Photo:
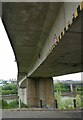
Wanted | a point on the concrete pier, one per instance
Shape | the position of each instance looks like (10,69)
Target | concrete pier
(38,92)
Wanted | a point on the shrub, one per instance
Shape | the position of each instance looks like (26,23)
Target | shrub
(9,89)
(4,104)
(13,104)
(68,103)
(58,98)
(78,101)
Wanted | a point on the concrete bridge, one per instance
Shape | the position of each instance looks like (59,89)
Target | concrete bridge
(73,87)
(46,40)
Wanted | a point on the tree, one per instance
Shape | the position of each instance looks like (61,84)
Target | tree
(9,89)
(60,87)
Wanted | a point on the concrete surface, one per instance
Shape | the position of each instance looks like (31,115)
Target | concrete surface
(31,28)
(41,114)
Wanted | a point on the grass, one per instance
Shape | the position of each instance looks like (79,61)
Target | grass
(62,103)
(11,105)
(68,103)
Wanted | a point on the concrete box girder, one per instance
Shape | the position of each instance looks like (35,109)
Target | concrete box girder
(31,27)
(28,25)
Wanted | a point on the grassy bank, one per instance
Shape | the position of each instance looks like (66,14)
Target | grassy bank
(14,104)
(68,103)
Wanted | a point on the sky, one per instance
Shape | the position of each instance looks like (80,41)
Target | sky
(75,77)
(8,66)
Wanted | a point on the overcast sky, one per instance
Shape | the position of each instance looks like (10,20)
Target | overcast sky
(76,76)
(8,66)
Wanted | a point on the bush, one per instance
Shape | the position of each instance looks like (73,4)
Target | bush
(6,92)
(10,105)
(13,104)
(4,104)
(60,87)
(68,103)
(79,101)
(58,98)
(9,89)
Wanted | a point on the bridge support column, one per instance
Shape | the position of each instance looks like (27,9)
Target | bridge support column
(22,91)
(22,95)
(32,92)
(40,89)
(73,89)
(46,92)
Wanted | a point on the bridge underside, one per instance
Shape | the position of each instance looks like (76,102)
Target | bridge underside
(29,25)
(31,28)
(65,58)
